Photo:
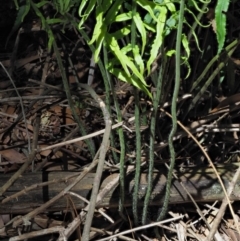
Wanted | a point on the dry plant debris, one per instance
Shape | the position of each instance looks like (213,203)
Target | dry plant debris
(40,137)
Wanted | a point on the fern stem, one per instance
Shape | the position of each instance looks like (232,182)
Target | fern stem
(174,112)
(137,129)
(156,99)
(138,159)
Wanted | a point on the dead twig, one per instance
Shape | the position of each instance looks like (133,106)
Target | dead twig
(111,185)
(102,154)
(40,209)
(192,199)
(79,138)
(223,207)
(142,227)
(213,167)
(37,233)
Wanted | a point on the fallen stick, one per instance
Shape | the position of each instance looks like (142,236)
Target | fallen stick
(200,182)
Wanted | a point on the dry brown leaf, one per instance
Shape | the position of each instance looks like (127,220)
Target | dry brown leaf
(13,156)
(44,153)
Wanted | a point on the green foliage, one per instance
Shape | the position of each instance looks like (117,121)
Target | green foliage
(130,63)
(154,20)
(63,6)
(220,17)
(128,60)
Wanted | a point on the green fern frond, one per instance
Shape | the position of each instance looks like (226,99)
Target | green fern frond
(221,8)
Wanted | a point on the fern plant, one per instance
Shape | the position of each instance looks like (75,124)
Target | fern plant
(153,21)
(157,19)
(128,63)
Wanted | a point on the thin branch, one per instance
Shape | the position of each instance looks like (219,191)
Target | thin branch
(213,167)
(223,207)
(103,151)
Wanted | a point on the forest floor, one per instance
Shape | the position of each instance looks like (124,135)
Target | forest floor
(46,152)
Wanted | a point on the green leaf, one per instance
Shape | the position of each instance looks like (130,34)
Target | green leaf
(196,19)
(58,5)
(122,32)
(148,6)
(99,43)
(140,26)
(39,14)
(55,21)
(41,4)
(123,17)
(158,38)
(150,27)
(67,6)
(50,38)
(16,4)
(195,36)
(185,60)
(84,16)
(159,1)
(171,52)
(113,11)
(193,3)
(98,27)
(148,19)
(107,4)
(170,6)
(126,49)
(220,16)
(138,59)
(131,80)
(118,53)
(124,60)
(26,10)
(186,45)
(63,6)
(171,24)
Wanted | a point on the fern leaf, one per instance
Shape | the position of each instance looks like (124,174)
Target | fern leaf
(222,6)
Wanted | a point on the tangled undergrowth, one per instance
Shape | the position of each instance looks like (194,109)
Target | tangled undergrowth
(57,105)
